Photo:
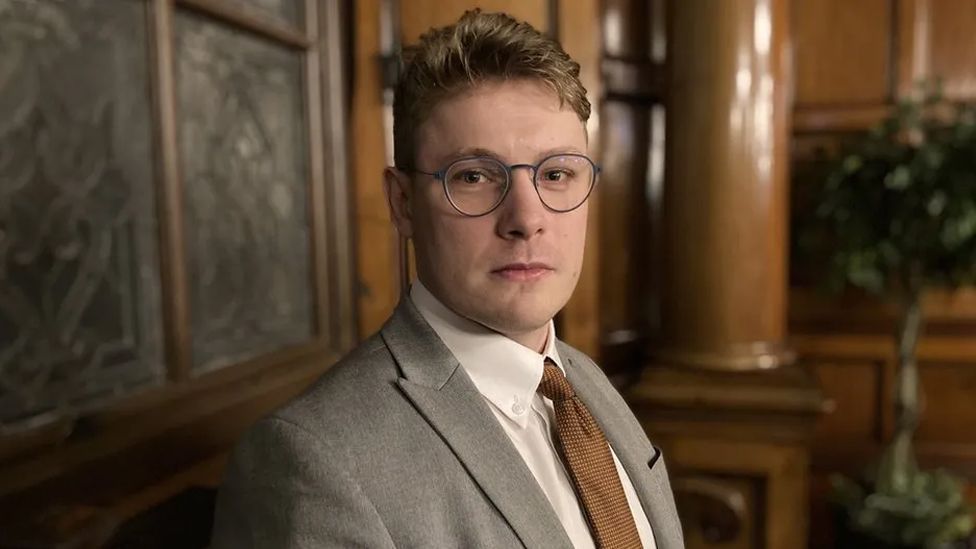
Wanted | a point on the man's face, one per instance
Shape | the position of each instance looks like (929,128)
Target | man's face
(513,269)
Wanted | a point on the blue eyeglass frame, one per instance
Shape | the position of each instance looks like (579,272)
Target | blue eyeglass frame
(441,175)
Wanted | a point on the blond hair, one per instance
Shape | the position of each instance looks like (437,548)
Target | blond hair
(479,48)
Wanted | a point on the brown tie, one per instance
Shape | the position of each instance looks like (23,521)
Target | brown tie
(587,456)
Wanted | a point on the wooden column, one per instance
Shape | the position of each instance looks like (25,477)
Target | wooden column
(722,394)
(725,212)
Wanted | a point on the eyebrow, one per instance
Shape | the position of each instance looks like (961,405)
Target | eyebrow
(479,151)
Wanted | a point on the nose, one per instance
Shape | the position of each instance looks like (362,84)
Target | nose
(522,215)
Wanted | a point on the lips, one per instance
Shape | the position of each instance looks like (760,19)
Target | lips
(523,272)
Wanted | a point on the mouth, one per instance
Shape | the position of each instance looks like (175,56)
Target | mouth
(523,272)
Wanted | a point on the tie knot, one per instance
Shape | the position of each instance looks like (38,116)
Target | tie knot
(554,384)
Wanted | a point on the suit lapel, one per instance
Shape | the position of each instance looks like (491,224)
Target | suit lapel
(444,395)
(641,460)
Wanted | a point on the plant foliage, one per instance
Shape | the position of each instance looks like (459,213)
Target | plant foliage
(895,214)
(899,209)
(931,514)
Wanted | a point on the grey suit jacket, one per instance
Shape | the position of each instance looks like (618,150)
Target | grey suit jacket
(395,447)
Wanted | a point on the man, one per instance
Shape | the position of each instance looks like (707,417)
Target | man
(464,422)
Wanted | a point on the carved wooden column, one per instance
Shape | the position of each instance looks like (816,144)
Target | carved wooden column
(722,394)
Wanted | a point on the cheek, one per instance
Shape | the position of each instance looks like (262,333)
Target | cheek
(456,243)
(574,234)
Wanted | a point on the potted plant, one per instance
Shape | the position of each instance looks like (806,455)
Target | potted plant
(897,214)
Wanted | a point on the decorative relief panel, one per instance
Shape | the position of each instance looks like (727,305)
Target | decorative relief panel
(244,167)
(79,289)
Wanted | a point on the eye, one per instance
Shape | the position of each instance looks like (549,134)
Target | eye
(476,176)
(471,177)
(557,175)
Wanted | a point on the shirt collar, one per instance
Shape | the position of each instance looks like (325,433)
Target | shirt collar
(504,371)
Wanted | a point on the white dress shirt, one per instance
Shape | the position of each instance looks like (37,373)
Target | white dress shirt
(507,374)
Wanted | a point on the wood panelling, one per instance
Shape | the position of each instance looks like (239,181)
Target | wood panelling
(418,16)
(897,43)
(948,402)
(861,401)
(938,40)
(339,287)
(376,240)
(629,190)
(952,53)
(579,33)
(108,466)
(771,476)
(624,304)
(854,359)
(948,314)
(747,533)
(838,119)
(854,390)
(851,70)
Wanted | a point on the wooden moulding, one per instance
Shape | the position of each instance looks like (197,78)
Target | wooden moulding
(762,485)
(712,508)
(231,11)
(39,433)
(838,118)
(637,80)
(788,393)
(111,471)
(948,315)
(172,262)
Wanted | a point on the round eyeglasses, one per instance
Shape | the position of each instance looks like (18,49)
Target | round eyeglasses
(476,185)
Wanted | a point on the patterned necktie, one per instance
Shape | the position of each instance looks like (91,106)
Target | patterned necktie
(587,456)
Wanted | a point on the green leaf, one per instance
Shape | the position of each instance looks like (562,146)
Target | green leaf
(853,163)
(936,204)
(899,179)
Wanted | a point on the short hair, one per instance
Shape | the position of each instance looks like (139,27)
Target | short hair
(479,48)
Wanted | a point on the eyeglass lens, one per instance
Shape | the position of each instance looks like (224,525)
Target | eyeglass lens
(477,185)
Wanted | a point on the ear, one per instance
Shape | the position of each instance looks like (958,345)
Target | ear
(398,189)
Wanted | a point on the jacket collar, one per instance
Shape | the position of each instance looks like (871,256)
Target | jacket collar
(432,379)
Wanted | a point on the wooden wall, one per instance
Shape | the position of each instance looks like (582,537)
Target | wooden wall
(632,178)
(852,61)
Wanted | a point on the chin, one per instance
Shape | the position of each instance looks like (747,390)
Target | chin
(518,320)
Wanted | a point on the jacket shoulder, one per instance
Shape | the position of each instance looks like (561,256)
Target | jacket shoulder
(349,392)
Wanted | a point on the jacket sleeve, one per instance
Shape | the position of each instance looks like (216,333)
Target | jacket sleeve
(281,490)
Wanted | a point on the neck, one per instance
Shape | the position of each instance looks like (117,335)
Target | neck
(535,340)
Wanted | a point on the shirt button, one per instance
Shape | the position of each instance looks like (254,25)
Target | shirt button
(518,408)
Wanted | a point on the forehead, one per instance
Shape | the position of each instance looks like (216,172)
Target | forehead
(514,120)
